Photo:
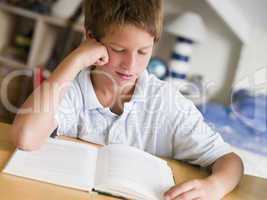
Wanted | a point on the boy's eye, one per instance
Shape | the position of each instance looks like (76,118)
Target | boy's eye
(142,52)
(118,50)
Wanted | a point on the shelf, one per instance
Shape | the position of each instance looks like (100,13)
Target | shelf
(61,22)
(44,32)
(12,63)
(36,16)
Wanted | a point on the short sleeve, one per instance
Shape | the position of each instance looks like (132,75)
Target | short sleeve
(67,114)
(194,140)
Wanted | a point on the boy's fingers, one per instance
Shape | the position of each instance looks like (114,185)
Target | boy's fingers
(178,190)
(105,59)
(102,61)
(193,194)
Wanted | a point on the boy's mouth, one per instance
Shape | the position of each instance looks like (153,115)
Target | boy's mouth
(124,76)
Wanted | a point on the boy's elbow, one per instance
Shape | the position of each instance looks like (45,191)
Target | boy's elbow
(238,159)
(21,139)
(25,146)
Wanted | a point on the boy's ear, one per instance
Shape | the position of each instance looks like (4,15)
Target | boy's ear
(88,34)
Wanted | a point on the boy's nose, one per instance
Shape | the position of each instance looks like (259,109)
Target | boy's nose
(129,61)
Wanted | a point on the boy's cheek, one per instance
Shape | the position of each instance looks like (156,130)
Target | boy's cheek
(109,67)
(112,62)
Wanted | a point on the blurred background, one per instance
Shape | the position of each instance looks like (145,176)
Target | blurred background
(214,49)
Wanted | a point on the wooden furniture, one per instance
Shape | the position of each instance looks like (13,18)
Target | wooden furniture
(45,32)
(12,188)
(45,29)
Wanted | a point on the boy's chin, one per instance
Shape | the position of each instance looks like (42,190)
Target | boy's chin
(125,83)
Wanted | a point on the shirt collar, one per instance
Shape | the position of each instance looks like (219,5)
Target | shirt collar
(90,99)
(140,88)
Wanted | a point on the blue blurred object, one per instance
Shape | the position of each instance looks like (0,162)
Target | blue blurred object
(243,124)
(215,113)
(158,67)
(251,110)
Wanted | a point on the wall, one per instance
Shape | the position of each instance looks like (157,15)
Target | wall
(217,57)
(252,69)
(254,11)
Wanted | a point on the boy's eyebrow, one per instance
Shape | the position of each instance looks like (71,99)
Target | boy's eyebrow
(145,47)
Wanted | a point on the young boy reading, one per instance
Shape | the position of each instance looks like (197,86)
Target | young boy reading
(102,93)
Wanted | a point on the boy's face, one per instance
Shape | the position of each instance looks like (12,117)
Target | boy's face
(130,49)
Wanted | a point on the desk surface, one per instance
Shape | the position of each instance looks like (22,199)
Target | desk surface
(11,187)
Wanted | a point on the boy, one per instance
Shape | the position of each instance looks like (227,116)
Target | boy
(102,93)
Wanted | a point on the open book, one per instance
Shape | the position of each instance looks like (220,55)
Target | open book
(116,169)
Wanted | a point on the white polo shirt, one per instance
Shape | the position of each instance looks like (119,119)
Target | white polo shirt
(157,119)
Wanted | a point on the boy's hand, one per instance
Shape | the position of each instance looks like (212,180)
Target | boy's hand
(91,52)
(201,189)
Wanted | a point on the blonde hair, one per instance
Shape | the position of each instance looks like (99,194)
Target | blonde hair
(101,15)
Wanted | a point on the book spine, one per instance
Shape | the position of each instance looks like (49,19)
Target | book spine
(108,194)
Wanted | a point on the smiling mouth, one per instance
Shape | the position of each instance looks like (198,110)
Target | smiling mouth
(124,76)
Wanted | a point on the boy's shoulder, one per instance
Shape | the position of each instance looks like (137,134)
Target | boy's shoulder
(77,88)
(163,88)
(167,94)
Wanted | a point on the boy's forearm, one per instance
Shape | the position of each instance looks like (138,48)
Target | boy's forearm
(67,70)
(227,172)
(30,130)
(36,120)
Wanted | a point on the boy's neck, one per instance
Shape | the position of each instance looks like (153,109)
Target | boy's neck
(109,94)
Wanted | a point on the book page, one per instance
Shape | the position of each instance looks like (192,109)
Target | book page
(65,163)
(123,168)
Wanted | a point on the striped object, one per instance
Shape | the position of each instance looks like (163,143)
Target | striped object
(180,58)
